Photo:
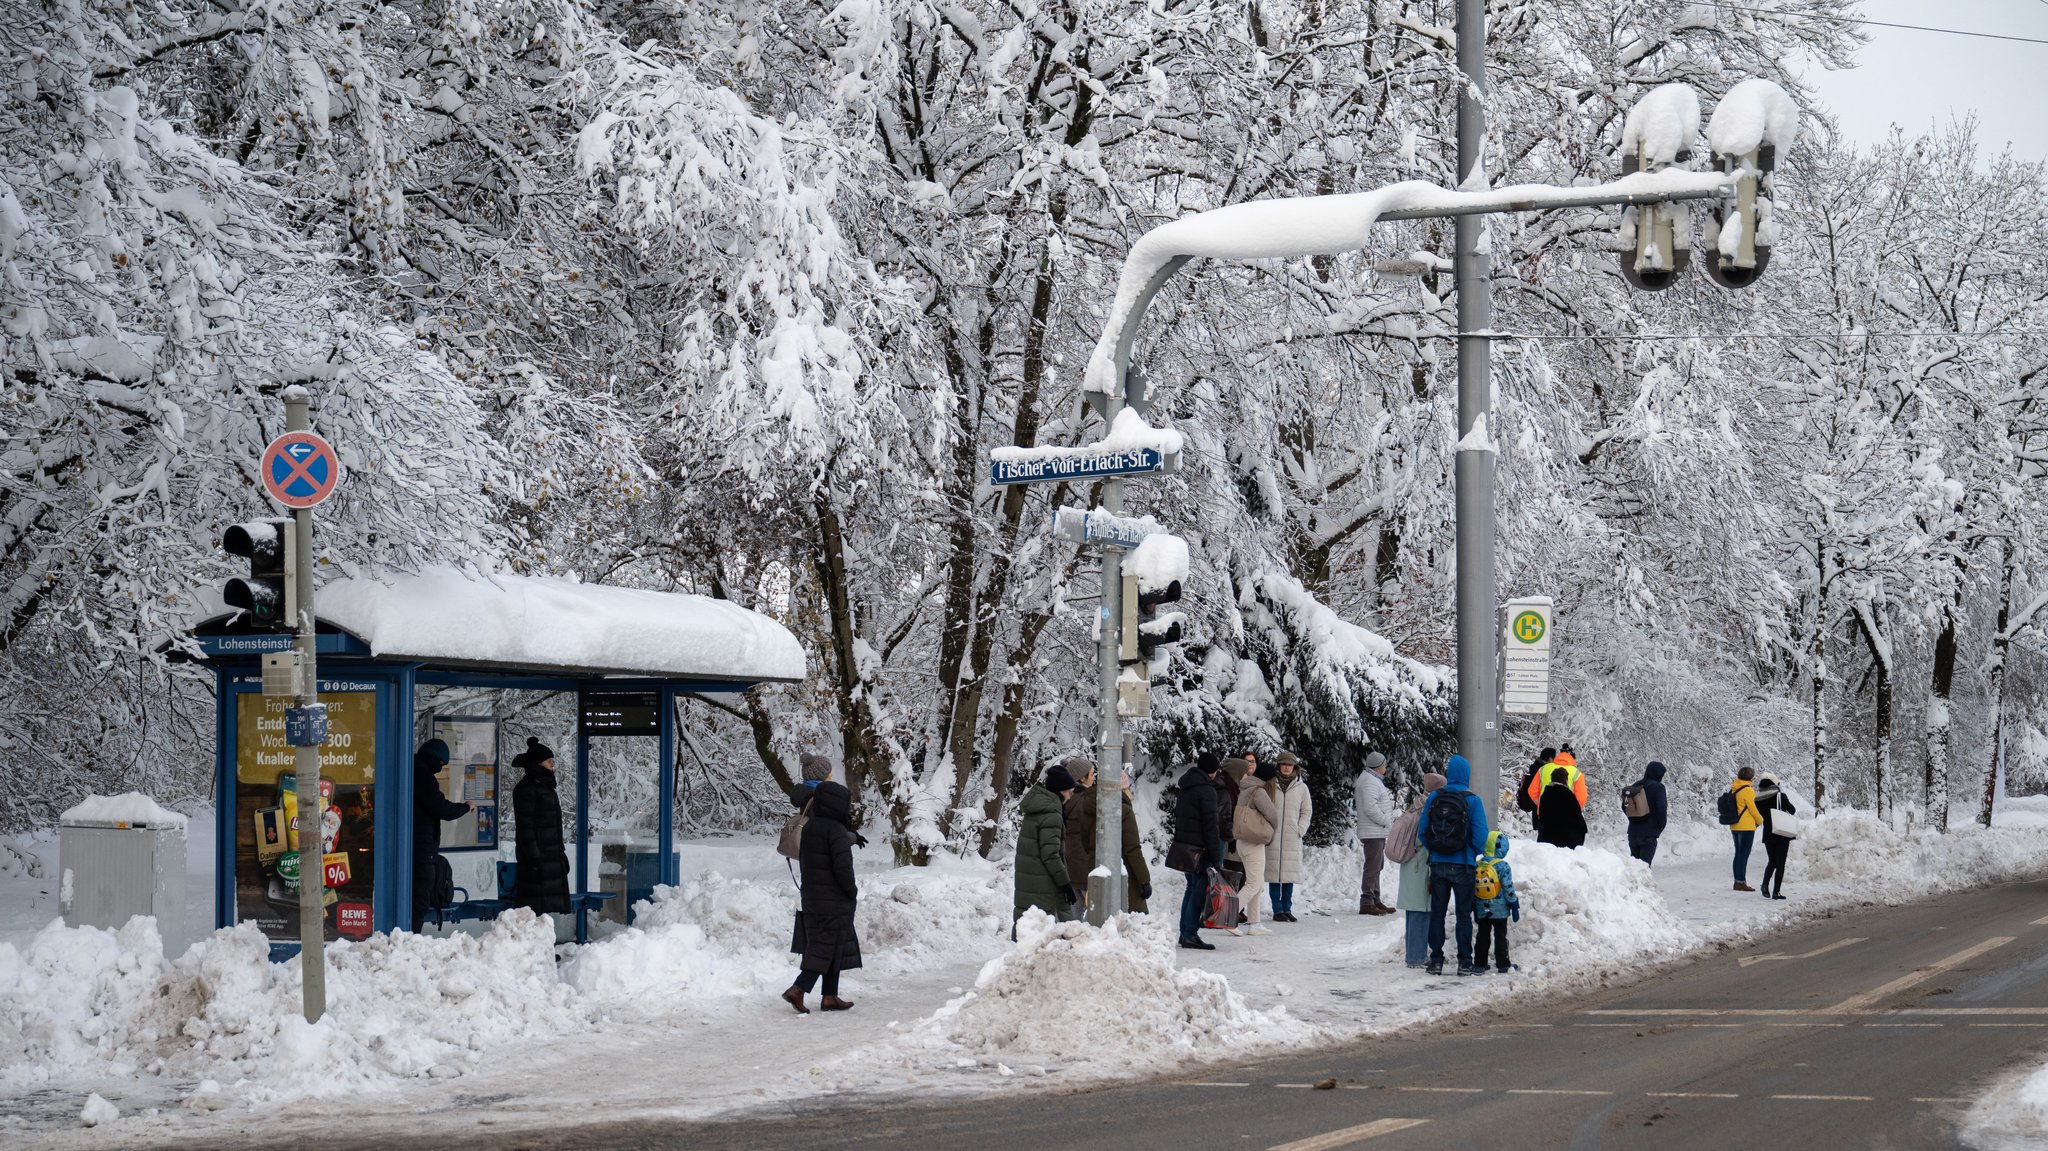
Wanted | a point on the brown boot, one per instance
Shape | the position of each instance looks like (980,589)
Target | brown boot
(834,1003)
(1366,906)
(795,998)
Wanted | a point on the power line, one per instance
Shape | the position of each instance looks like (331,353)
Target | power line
(1804,337)
(1783,15)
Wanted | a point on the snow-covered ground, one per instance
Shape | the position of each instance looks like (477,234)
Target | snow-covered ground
(679,1016)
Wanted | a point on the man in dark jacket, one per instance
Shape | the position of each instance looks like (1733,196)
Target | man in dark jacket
(541,878)
(430,809)
(1043,879)
(1197,843)
(1643,831)
(1524,794)
(1559,818)
(824,933)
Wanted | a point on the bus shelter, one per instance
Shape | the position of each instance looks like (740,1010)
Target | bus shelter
(625,653)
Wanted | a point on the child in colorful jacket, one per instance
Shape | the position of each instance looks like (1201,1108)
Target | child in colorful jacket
(1492,913)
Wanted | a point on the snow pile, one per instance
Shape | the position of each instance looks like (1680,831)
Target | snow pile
(98,1111)
(1588,910)
(1662,125)
(1071,994)
(133,808)
(398,1006)
(1753,113)
(2012,1116)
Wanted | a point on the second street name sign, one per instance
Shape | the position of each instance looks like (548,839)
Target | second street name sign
(1027,468)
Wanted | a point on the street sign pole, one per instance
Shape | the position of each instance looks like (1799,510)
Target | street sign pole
(1106,892)
(306,759)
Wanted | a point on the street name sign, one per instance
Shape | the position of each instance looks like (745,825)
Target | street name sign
(1023,468)
(1100,527)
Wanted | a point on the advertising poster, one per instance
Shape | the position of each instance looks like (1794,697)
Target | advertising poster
(272,835)
(471,777)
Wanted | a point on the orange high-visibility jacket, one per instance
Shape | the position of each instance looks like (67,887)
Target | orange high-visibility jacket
(1576,778)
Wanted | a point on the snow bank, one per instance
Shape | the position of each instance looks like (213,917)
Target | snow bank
(2012,1116)
(443,614)
(399,1006)
(131,807)
(1073,995)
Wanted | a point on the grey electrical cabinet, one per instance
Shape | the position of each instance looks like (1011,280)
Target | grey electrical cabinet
(122,860)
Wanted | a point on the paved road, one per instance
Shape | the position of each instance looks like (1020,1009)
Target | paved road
(1866,1029)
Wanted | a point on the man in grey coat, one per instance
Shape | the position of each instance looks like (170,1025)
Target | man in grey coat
(1373,805)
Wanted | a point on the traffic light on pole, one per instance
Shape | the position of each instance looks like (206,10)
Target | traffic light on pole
(266,594)
(1146,628)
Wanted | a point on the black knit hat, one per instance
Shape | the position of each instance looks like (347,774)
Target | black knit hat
(1058,778)
(1209,762)
(536,753)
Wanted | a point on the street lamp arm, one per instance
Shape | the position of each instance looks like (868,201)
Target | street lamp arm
(1297,226)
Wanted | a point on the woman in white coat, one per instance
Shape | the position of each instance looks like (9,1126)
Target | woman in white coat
(1294,810)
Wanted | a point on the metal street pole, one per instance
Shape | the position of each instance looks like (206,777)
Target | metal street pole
(305,759)
(1106,893)
(1478,715)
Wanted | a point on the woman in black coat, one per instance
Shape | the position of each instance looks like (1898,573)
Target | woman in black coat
(1558,817)
(824,928)
(541,879)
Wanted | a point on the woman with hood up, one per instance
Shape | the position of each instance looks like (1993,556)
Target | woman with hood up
(824,933)
(1559,817)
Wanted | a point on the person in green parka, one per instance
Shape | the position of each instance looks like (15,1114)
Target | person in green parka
(1043,880)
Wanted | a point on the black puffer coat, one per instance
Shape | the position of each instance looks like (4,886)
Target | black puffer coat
(1558,817)
(430,809)
(1194,816)
(824,928)
(541,880)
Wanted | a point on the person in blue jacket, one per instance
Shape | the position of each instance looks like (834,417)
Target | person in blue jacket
(1453,859)
(1494,911)
(1644,830)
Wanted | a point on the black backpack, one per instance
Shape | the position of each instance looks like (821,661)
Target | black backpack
(1728,809)
(1522,799)
(1450,828)
(440,882)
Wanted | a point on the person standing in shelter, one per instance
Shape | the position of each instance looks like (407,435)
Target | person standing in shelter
(540,879)
(1495,903)
(1647,796)
(824,933)
(1771,800)
(430,809)
(1412,898)
(1043,879)
(1574,778)
(1283,861)
(1525,795)
(1258,813)
(1372,807)
(1197,843)
(1747,820)
(1559,818)
(1453,830)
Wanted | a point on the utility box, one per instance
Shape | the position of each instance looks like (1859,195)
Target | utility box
(123,856)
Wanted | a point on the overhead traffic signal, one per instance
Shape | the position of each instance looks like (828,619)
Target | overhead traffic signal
(266,594)
(1755,122)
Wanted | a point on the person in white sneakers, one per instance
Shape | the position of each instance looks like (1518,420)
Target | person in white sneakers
(1258,809)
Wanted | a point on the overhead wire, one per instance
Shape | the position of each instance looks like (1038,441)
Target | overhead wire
(1784,15)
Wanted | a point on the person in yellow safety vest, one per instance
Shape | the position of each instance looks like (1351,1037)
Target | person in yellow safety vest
(1576,778)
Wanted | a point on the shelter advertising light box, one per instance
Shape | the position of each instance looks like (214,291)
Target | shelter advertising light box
(275,841)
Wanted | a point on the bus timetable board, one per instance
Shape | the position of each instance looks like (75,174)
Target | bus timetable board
(619,713)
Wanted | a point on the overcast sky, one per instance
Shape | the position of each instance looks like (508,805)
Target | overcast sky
(1920,79)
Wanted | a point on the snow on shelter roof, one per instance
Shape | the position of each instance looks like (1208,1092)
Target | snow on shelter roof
(444,616)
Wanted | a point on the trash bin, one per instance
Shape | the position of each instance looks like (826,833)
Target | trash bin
(121,856)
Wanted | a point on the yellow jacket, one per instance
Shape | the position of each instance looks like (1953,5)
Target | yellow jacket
(1574,778)
(1747,817)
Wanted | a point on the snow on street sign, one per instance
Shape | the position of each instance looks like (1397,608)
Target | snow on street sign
(1073,465)
(1525,657)
(299,469)
(1103,528)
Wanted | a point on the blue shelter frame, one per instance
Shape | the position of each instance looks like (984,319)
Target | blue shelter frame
(347,664)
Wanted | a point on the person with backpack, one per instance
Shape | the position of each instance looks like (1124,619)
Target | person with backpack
(1525,795)
(1197,843)
(1772,804)
(1372,807)
(824,933)
(1453,829)
(1645,803)
(1494,904)
(1296,811)
(1042,878)
(1560,820)
(1404,846)
(1737,811)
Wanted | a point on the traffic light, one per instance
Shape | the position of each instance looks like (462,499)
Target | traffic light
(1743,229)
(1146,629)
(1656,239)
(266,595)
